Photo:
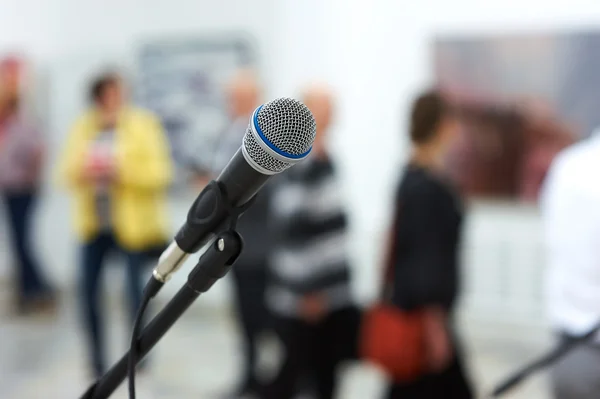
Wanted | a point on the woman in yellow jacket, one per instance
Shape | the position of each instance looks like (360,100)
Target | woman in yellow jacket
(117,165)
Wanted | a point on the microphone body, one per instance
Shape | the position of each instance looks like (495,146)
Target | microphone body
(280,134)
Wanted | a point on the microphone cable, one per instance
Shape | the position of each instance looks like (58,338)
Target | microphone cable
(150,291)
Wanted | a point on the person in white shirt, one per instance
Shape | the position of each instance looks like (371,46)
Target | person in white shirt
(570,205)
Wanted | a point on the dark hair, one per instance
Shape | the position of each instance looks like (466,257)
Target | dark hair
(99,85)
(428,110)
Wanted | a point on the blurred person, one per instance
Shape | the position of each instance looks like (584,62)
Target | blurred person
(21,160)
(571,220)
(117,165)
(426,240)
(250,270)
(309,292)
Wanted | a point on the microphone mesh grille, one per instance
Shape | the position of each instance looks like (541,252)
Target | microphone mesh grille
(261,157)
(289,126)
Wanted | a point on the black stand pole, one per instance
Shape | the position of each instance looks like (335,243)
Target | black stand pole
(542,362)
(212,265)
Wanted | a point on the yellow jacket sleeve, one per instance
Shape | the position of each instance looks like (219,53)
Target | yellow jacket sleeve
(72,161)
(151,168)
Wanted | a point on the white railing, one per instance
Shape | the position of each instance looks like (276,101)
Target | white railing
(504,264)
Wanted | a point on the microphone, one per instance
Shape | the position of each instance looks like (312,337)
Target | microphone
(280,133)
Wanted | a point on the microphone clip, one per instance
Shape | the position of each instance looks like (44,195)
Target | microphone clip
(211,212)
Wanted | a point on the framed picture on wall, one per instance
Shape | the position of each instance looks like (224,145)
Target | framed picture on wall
(522,98)
(183,81)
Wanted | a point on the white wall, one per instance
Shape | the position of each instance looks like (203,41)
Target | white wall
(375,54)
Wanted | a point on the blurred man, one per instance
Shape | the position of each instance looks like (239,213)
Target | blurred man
(21,155)
(571,214)
(249,271)
(309,292)
(118,167)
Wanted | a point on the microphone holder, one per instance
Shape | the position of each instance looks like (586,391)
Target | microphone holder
(212,266)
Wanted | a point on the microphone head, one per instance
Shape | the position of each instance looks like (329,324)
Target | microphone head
(280,134)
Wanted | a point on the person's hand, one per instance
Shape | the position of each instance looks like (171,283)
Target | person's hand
(437,340)
(107,173)
(313,307)
(99,171)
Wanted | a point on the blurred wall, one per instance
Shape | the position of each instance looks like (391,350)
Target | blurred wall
(376,54)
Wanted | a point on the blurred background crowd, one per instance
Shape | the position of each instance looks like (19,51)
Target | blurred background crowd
(467,130)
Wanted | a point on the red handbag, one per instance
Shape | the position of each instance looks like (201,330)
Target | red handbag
(391,338)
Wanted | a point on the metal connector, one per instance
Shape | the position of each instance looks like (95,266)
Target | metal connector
(169,262)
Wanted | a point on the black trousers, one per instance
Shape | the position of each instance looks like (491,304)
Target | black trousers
(313,352)
(31,282)
(250,282)
(451,383)
(93,255)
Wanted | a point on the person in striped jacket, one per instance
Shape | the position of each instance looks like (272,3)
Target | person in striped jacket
(309,292)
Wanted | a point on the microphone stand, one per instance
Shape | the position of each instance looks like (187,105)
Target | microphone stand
(212,265)
(543,361)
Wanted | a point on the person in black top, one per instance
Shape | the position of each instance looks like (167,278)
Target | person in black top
(426,244)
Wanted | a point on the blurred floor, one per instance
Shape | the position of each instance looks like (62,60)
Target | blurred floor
(41,357)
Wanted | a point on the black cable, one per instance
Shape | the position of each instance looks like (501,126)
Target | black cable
(133,348)
(150,291)
(543,361)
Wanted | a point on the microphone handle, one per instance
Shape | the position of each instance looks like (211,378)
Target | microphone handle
(240,180)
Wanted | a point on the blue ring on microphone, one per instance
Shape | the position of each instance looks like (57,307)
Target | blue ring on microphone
(271,145)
